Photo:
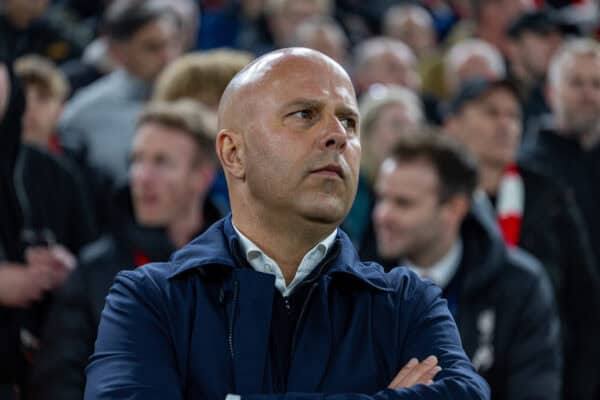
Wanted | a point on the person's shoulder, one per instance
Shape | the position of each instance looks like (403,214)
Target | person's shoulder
(87,98)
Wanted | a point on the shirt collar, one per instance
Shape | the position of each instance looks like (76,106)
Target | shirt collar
(442,272)
(261,262)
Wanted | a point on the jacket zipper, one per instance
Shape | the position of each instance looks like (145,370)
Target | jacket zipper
(232,317)
(300,317)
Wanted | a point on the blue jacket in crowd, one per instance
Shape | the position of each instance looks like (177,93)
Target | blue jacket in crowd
(198,327)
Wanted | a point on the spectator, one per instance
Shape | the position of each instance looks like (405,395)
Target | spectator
(46,90)
(385,61)
(535,37)
(567,146)
(165,206)
(45,222)
(325,35)
(24,30)
(411,24)
(471,58)
(390,62)
(99,122)
(490,19)
(282,18)
(501,299)
(388,113)
(536,214)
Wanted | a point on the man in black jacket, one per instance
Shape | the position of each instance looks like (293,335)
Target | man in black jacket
(501,298)
(44,222)
(568,145)
(537,214)
(164,207)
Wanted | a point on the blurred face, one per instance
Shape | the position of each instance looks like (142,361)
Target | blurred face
(491,127)
(575,97)
(535,51)
(388,68)
(150,49)
(327,42)
(302,145)
(41,116)
(393,122)
(415,33)
(165,176)
(475,66)
(408,219)
(285,23)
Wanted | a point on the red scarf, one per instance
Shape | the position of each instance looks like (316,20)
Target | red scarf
(510,201)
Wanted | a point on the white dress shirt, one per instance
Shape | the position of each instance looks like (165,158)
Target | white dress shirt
(442,272)
(263,263)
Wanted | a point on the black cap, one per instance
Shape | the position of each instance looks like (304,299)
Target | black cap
(473,89)
(543,21)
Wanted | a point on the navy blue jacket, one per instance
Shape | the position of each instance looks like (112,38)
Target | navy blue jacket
(198,328)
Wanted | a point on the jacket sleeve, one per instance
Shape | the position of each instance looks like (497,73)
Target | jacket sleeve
(67,343)
(534,371)
(133,358)
(431,330)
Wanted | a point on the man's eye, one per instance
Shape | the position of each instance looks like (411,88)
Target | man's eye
(349,123)
(304,114)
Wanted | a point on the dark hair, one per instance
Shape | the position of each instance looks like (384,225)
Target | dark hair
(124,18)
(456,167)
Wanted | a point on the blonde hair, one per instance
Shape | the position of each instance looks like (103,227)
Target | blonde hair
(42,73)
(202,76)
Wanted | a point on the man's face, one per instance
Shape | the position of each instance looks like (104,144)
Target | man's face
(388,68)
(491,126)
(535,51)
(150,49)
(393,121)
(575,97)
(302,145)
(41,115)
(165,176)
(407,217)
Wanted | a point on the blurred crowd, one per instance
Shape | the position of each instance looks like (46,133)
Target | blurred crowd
(480,132)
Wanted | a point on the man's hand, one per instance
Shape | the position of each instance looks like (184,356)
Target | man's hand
(55,261)
(21,285)
(415,373)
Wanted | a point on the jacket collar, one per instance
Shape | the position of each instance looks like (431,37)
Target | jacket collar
(218,247)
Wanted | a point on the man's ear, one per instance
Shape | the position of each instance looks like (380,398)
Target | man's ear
(230,150)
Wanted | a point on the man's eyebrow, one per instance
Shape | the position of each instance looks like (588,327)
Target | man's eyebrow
(302,103)
(348,111)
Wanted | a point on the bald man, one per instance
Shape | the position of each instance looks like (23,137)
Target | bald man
(272,302)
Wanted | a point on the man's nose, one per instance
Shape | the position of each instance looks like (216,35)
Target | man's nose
(336,135)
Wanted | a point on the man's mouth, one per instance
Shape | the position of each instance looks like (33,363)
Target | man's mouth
(330,170)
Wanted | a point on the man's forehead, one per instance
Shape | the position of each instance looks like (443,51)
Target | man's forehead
(290,64)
